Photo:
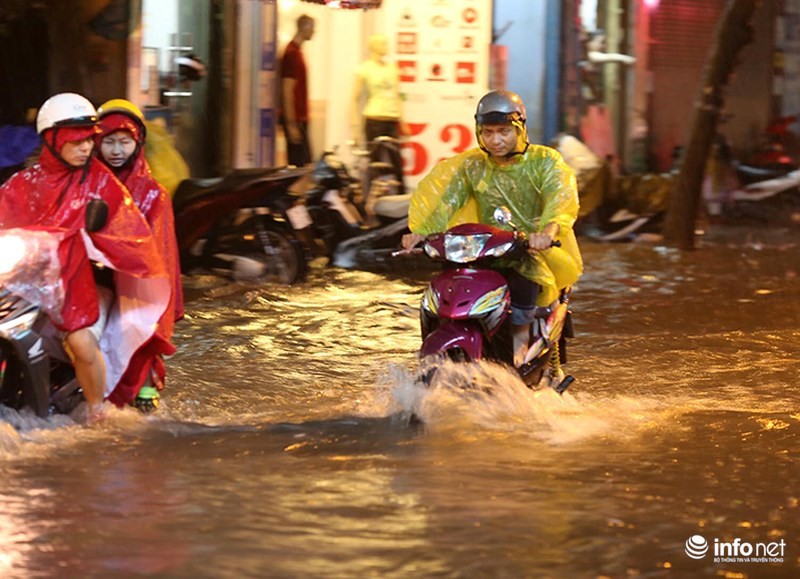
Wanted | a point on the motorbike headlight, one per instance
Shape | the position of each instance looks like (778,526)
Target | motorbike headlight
(488,301)
(18,324)
(464,248)
(12,250)
(430,301)
(500,250)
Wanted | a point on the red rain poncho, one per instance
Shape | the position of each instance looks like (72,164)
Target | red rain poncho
(154,202)
(52,194)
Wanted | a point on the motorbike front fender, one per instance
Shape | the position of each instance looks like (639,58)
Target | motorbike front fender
(451,336)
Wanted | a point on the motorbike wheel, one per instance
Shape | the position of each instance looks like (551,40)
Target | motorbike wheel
(278,251)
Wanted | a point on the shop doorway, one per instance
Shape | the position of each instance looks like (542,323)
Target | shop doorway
(176,74)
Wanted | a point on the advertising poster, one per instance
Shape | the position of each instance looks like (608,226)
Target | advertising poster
(442,52)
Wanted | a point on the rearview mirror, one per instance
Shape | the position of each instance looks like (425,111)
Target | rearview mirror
(96,215)
(503,216)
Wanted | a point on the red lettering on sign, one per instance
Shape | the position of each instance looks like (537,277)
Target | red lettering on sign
(461,135)
(415,156)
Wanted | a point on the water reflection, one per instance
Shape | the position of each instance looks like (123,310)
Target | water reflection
(283,446)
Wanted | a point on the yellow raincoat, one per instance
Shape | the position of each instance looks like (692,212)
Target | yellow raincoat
(166,164)
(538,187)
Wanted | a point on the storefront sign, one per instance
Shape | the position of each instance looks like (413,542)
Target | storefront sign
(442,52)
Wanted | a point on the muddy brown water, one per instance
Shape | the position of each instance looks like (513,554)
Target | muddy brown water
(282,450)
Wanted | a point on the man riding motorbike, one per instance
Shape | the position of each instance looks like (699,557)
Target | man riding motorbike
(103,322)
(533,181)
(121,143)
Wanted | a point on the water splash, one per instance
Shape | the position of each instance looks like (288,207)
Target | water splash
(491,398)
(25,435)
(25,421)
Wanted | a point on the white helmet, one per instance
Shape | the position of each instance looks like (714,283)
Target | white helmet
(65,109)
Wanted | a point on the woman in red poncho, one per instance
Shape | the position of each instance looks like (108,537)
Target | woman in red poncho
(121,143)
(53,194)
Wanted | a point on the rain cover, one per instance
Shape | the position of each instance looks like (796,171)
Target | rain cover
(538,187)
(167,165)
(155,204)
(36,275)
(50,194)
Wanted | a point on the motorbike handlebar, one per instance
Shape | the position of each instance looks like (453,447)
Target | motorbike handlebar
(411,251)
(417,249)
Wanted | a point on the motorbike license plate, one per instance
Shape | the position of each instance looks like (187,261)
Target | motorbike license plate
(298,217)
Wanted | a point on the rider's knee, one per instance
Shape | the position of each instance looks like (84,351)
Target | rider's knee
(82,346)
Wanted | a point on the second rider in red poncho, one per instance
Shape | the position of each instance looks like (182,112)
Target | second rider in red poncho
(121,144)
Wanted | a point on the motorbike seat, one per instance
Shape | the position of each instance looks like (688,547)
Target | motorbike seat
(393,206)
(190,190)
(750,174)
(189,187)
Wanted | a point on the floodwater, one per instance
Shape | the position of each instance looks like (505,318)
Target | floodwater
(282,447)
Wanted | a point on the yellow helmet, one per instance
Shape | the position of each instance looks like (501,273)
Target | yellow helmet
(120,106)
(126,108)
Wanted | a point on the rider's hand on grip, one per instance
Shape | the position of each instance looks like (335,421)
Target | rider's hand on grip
(410,240)
(541,241)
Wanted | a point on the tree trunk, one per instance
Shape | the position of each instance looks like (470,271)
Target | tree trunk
(732,34)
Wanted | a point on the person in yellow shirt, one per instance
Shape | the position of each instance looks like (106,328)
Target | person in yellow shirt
(377,107)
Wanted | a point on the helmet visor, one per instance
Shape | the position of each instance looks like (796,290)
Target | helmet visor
(498,118)
(87,121)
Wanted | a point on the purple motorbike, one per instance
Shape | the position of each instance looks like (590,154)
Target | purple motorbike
(465,312)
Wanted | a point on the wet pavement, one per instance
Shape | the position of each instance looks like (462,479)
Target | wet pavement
(283,449)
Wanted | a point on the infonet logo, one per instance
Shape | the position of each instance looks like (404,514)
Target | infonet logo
(737,551)
(696,547)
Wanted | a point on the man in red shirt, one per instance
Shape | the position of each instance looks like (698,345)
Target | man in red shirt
(294,93)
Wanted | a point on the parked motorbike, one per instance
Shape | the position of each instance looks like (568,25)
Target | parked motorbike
(355,228)
(772,197)
(763,190)
(465,313)
(613,207)
(241,224)
(35,371)
(775,149)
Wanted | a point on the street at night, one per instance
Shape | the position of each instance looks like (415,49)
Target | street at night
(283,447)
(400,289)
